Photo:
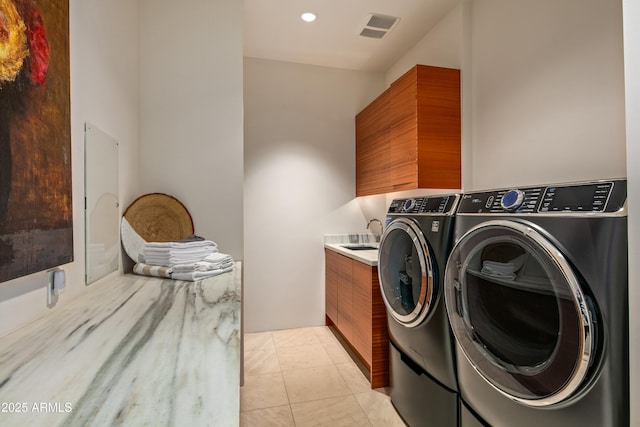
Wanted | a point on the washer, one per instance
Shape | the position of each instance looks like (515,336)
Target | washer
(536,294)
(411,260)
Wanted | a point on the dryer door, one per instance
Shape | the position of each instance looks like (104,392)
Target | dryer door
(519,314)
(406,271)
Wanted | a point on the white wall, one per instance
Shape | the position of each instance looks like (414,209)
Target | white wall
(104,75)
(191,112)
(631,11)
(547,92)
(440,47)
(299,184)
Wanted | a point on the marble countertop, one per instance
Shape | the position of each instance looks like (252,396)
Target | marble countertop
(132,350)
(336,243)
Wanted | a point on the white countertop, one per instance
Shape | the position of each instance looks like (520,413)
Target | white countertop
(369,257)
(132,350)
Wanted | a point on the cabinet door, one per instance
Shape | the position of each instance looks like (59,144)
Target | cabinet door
(380,335)
(403,166)
(345,296)
(410,136)
(362,314)
(372,147)
(439,127)
(331,285)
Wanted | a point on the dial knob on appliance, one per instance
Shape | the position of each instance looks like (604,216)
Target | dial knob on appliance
(409,204)
(512,200)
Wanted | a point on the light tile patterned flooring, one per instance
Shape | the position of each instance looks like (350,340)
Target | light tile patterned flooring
(304,377)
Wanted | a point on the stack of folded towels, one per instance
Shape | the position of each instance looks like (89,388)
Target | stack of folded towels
(191,259)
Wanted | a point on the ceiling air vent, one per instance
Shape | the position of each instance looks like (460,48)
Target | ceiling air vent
(377,26)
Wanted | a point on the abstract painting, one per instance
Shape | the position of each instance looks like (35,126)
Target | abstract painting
(36,213)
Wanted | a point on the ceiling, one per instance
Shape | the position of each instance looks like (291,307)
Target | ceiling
(274,30)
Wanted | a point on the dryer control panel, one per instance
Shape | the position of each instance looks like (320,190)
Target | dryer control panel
(588,197)
(435,205)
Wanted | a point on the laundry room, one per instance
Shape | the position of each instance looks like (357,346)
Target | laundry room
(543,101)
(260,147)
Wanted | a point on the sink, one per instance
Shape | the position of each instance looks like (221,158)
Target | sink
(360,247)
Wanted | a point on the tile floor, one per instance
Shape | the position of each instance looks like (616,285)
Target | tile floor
(304,377)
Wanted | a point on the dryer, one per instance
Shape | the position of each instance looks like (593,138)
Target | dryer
(411,260)
(536,295)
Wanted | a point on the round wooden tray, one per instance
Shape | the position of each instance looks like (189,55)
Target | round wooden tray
(154,217)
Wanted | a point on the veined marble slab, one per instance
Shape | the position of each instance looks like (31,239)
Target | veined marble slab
(134,351)
(356,238)
(335,242)
(369,257)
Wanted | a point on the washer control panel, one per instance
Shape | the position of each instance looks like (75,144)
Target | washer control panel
(509,200)
(512,200)
(594,197)
(435,205)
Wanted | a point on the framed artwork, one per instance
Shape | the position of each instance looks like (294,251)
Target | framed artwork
(36,212)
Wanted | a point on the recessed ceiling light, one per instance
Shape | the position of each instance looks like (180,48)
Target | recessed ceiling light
(308,17)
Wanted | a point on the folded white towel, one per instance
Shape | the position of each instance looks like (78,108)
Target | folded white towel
(219,260)
(181,245)
(171,257)
(505,270)
(166,251)
(201,266)
(182,252)
(171,261)
(184,260)
(197,275)
(169,253)
(217,257)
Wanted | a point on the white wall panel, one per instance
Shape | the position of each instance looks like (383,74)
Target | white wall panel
(547,91)
(299,184)
(632,71)
(191,112)
(440,47)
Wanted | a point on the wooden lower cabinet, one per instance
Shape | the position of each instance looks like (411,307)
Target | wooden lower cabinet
(355,308)
(331,285)
(345,297)
(362,310)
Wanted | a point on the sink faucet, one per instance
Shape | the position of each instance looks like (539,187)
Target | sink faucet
(381,227)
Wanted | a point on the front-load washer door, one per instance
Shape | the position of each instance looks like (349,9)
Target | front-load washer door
(406,270)
(519,314)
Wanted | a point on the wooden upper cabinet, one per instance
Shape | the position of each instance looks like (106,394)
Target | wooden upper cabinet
(403,134)
(410,136)
(373,129)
